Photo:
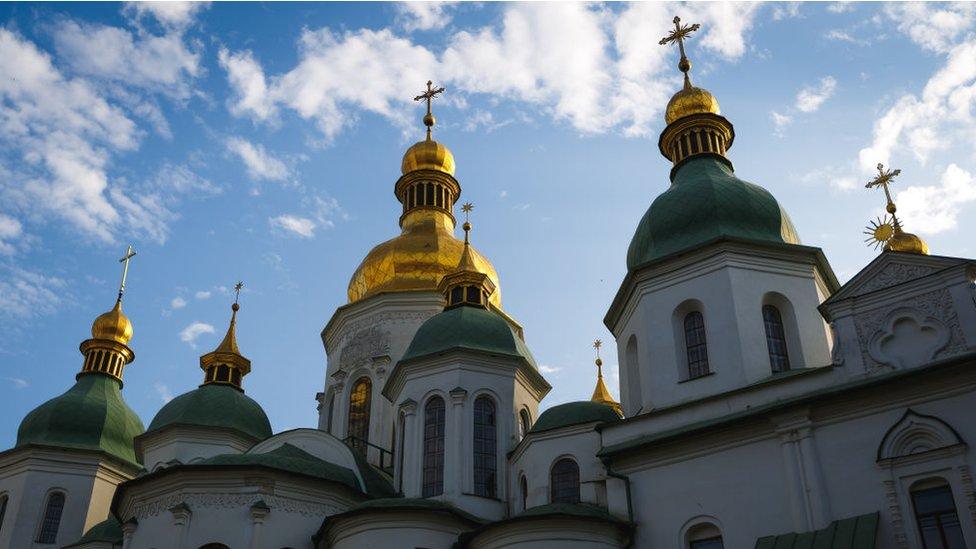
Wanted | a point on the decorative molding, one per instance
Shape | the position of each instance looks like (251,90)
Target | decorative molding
(894,511)
(968,491)
(936,304)
(894,274)
(156,506)
(362,346)
(837,352)
(907,338)
(915,434)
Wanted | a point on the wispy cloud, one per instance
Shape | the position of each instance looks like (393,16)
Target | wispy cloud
(811,98)
(193,331)
(177,303)
(780,121)
(202,294)
(163,391)
(17,383)
(27,294)
(414,16)
(934,209)
(545,369)
(260,164)
(300,226)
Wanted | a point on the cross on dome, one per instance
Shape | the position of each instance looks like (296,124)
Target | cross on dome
(428,96)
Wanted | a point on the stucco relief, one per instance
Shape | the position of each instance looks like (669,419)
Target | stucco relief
(908,338)
(156,506)
(894,512)
(935,306)
(363,346)
(389,317)
(893,274)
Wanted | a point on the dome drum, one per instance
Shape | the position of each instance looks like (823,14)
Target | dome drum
(427,189)
(695,135)
(105,357)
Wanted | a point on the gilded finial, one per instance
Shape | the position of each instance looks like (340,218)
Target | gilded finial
(466,208)
(129,254)
(599,362)
(428,96)
(237,295)
(888,230)
(225,364)
(678,36)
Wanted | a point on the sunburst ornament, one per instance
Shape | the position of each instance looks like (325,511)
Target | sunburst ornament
(880,231)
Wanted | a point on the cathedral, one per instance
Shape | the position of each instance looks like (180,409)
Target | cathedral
(762,404)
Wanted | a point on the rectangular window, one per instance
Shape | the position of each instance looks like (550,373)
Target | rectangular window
(938,523)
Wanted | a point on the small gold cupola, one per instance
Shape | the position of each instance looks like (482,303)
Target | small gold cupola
(695,125)
(225,365)
(888,231)
(467,285)
(601,394)
(427,181)
(108,352)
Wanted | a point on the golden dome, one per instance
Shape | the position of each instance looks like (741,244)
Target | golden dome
(113,326)
(418,259)
(428,155)
(690,100)
(907,243)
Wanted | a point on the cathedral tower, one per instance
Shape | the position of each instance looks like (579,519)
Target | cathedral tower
(719,291)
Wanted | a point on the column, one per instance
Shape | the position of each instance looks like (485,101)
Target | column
(259,511)
(412,448)
(181,521)
(456,481)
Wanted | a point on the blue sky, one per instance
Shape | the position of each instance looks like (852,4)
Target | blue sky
(261,142)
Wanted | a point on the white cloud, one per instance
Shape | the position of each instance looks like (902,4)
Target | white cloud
(933,26)
(194,331)
(549,369)
(10,229)
(581,63)
(811,98)
(17,383)
(259,163)
(425,15)
(28,294)
(161,63)
(939,117)
(786,10)
(844,36)
(935,208)
(170,14)
(840,7)
(300,226)
(177,303)
(503,194)
(202,294)
(780,121)
(163,391)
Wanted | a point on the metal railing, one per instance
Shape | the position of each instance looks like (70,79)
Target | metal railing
(363,447)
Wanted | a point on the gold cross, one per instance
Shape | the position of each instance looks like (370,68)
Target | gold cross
(429,94)
(237,291)
(129,254)
(678,35)
(884,179)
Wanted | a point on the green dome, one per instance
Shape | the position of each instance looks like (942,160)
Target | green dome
(107,531)
(574,413)
(215,405)
(470,328)
(705,202)
(91,415)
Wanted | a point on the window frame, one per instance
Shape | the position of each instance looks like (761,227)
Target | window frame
(554,481)
(485,446)
(44,535)
(772,322)
(359,414)
(434,446)
(938,515)
(693,323)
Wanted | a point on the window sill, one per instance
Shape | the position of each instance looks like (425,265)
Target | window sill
(696,378)
(492,498)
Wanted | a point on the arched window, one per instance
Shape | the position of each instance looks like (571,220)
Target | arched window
(3,509)
(564,482)
(779,358)
(434,447)
(632,389)
(695,345)
(705,536)
(214,546)
(938,522)
(52,518)
(524,424)
(524,492)
(359,403)
(485,447)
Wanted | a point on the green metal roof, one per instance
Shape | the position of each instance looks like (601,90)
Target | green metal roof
(574,413)
(471,328)
(859,532)
(707,201)
(91,415)
(215,405)
(578,511)
(107,531)
(291,459)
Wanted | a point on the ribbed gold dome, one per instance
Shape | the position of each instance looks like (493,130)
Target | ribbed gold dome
(416,260)
(428,155)
(907,243)
(690,100)
(113,326)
